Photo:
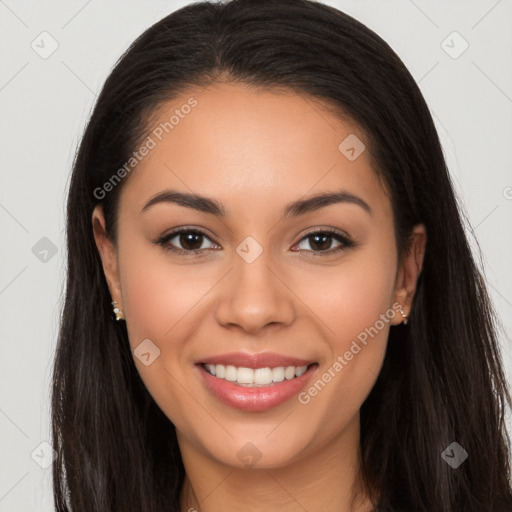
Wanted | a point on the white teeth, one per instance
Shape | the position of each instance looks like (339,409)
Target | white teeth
(289,373)
(301,370)
(257,377)
(278,374)
(230,373)
(262,376)
(220,371)
(245,375)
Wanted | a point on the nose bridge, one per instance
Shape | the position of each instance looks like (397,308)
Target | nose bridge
(255,295)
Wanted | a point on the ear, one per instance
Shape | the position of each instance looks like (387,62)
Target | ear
(409,272)
(108,255)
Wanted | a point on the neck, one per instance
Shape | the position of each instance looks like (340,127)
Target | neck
(324,480)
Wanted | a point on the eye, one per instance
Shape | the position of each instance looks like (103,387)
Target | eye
(191,241)
(321,242)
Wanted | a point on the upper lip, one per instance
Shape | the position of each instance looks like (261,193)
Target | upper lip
(251,360)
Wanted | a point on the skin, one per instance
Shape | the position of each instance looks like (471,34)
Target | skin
(285,301)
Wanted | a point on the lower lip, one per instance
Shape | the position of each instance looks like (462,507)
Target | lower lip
(255,398)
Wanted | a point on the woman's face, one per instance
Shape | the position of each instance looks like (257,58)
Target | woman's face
(268,285)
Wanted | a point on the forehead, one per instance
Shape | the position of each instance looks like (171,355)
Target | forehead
(252,147)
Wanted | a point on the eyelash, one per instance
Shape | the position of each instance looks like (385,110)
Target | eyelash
(346,242)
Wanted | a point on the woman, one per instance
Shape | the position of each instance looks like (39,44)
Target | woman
(261,200)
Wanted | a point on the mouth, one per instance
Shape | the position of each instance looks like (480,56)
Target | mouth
(250,386)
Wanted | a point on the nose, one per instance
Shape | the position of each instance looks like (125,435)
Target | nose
(255,295)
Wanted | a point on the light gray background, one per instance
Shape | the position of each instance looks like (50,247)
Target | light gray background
(44,107)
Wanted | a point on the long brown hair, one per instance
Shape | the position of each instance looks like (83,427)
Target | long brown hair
(442,379)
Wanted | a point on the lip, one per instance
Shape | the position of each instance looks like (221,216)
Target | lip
(261,360)
(255,399)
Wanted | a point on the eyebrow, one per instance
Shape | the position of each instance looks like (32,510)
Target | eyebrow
(213,207)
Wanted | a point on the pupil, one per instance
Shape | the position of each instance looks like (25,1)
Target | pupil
(187,240)
(322,245)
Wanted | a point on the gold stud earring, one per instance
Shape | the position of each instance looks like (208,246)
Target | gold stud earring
(119,315)
(404,316)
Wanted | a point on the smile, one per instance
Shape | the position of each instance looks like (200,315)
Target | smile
(255,382)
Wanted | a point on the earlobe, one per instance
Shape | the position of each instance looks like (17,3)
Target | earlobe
(107,252)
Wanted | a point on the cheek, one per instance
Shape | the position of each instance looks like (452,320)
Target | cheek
(356,307)
(350,297)
(163,302)
(159,300)
(158,296)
